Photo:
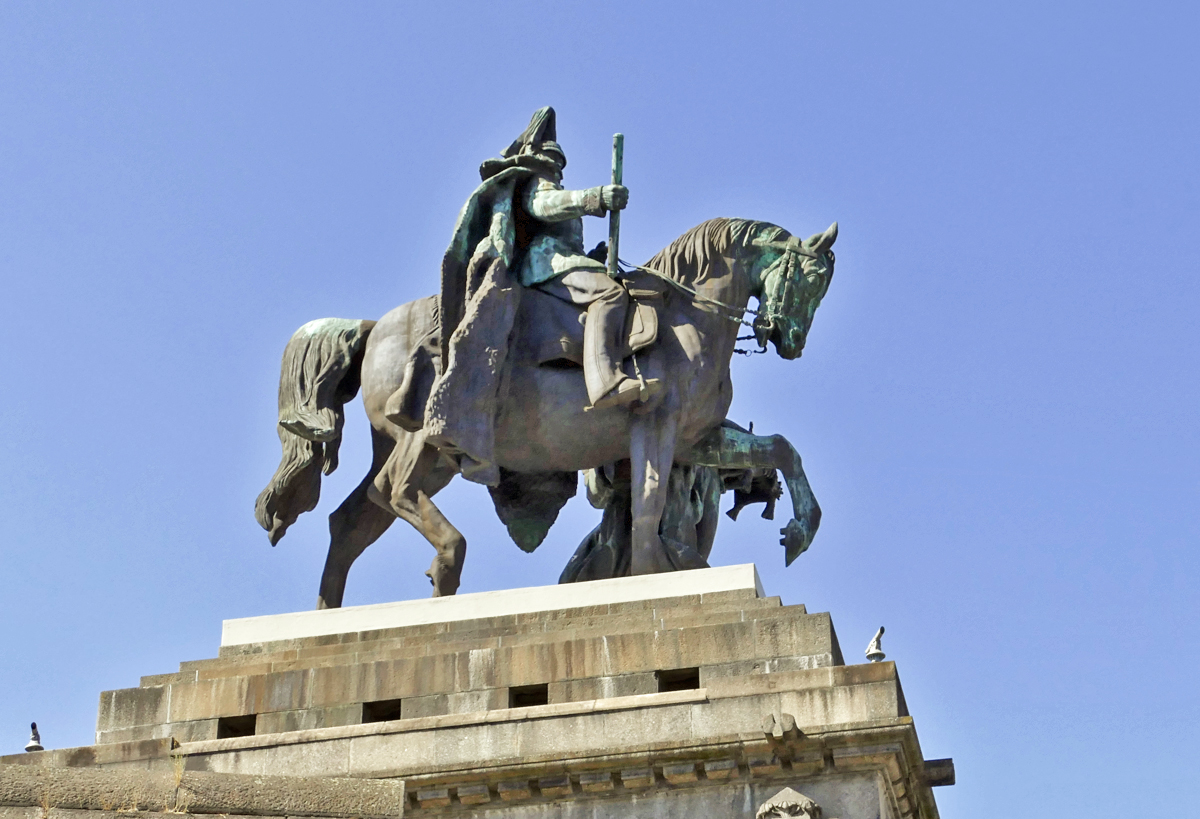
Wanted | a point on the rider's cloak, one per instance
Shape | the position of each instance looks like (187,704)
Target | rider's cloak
(477,308)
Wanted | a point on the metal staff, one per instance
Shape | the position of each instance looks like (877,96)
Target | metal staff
(614,217)
(614,233)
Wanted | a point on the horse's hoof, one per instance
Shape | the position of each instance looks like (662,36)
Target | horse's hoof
(796,540)
(440,577)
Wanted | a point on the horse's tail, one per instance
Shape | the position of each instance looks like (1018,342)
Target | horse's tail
(320,373)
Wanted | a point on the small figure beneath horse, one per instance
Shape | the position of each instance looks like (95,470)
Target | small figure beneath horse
(522,372)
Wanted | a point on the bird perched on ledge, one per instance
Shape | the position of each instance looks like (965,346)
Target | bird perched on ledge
(35,739)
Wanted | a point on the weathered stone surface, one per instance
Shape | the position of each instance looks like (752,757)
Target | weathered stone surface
(807,762)
(87,788)
(290,796)
(606,736)
(596,781)
(718,769)
(150,680)
(132,706)
(939,772)
(680,772)
(766,665)
(275,722)
(581,668)
(92,789)
(140,753)
(11,812)
(488,699)
(514,789)
(597,688)
(764,765)
(210,698)
(637,777)
(433,797)
(396,643)
(188,731)
(474,794)
(554,786)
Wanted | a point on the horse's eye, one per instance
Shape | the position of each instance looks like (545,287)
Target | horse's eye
(831,256)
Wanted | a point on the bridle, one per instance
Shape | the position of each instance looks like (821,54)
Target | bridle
(793,245)
(763,318)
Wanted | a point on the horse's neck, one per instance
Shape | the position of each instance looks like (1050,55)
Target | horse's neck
(723,291)
(731,287)
(714,267)
(711,260)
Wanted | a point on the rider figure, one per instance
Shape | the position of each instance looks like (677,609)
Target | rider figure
(550,231)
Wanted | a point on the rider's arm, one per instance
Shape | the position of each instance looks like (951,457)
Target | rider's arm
(548,202)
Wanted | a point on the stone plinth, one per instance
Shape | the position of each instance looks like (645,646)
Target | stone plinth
(673,696)
(479,606)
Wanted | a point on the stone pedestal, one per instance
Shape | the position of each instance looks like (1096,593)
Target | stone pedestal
(680,695)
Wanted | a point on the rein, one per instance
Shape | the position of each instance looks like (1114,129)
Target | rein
(733,309)
(792,245)
(715,302)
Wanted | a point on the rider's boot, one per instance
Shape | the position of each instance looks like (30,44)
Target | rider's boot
(607,386)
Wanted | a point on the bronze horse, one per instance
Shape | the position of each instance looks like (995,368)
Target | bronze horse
(544,435)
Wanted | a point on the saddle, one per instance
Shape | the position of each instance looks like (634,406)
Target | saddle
(549,331)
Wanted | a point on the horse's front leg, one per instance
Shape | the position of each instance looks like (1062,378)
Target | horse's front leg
(734,449)
(651,454)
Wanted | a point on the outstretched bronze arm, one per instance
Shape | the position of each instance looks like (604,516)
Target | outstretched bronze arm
(729,448)
(551,203)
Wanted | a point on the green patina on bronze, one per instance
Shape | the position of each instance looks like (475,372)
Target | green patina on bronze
(462,384)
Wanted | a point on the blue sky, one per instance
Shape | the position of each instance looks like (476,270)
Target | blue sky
(997,406)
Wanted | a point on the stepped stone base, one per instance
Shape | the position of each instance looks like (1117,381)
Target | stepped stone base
(681,695)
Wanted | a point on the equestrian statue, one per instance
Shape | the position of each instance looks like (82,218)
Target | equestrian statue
(538,360)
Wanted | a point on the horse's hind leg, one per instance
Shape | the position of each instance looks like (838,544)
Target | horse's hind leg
(413,474)
(354,526)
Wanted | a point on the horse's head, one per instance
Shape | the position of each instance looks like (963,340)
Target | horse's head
(794,276)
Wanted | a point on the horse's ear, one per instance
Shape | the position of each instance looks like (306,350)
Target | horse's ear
(820,242)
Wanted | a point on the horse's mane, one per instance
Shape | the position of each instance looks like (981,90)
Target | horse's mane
(743,231)
(699,253)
